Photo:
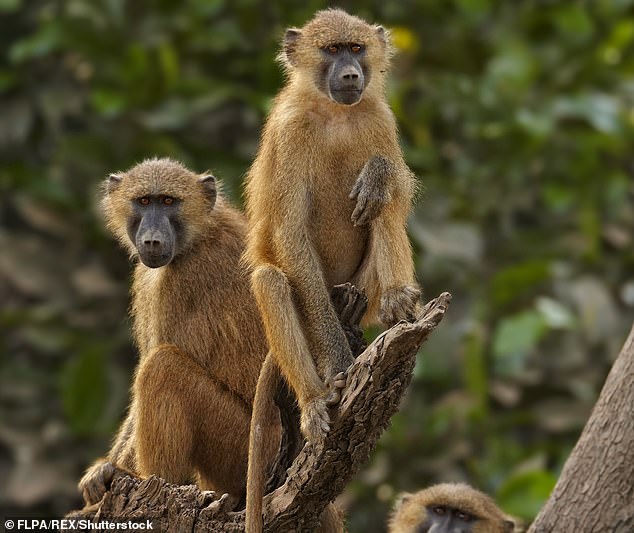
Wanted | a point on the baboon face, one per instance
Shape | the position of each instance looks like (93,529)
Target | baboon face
(155,228)
(344,72)
(158,209)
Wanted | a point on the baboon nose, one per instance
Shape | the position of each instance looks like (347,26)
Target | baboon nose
(349,74)
(152,240)
(152,243)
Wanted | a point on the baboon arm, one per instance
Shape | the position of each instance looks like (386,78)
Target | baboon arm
(96,481)
(388,263)
(122,452)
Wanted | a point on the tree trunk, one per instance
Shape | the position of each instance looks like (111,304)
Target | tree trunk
(595,492)
(376,383)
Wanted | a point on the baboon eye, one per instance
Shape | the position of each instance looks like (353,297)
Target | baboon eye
(356,48)
(144,200)
(168,200)
(439,509)
(333,49)
(464,516)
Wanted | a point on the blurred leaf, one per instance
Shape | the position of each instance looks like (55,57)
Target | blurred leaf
(48,39)
(10,5)
(475,372)
(514,338)
(595,307)
(451,241)
(107,102)
(537,124)
(84,390)
(403,38)
(169,63)
(475,8)
(513,281)
(555,314)
(524,494)
(574,22)
(7,80)
(602,111)
(514,66)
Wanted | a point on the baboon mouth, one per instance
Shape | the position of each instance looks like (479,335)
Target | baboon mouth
(346,96)
(155,261)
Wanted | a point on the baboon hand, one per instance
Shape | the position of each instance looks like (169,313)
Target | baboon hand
(315,421)
(370,191)
(399,303)
(96,481)
(335,386)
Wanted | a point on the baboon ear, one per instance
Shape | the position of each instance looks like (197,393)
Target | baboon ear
(290,43)
(402,498)
(208,182)
(114,180)
(509,526)
(382,34)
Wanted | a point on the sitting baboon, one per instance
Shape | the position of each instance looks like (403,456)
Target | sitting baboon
(327,197)
(197,328)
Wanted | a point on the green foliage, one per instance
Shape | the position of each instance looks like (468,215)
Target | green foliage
(517,117)
(84,390)
(524,494)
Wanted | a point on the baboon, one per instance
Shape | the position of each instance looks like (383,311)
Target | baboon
(197,328)
(327,197)
(449,508)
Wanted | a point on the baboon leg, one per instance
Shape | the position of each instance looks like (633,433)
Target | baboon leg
(182,424)
(289,346)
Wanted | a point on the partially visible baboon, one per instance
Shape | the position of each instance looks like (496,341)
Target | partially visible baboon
(328,198)
(197,329)
(449,508)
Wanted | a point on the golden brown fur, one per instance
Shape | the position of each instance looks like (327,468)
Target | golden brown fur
(200,339)
(302,240)
(410,511)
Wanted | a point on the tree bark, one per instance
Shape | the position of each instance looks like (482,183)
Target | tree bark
(595,492)
(376,383)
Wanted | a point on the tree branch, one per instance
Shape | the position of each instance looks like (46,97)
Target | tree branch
(375,386)
(595,491)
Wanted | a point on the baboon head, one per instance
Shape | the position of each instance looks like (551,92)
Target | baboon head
(342,56)
(158,208)
(449,508)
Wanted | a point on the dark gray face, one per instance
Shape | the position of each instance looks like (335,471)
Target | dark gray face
(345,74)
(443,519)
(155,229)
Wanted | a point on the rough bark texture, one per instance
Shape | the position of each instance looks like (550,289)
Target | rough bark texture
(595,492)
(376,383)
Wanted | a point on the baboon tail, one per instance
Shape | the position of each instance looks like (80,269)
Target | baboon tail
(264,411)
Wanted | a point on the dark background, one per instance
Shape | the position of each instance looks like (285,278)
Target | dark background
(518,118)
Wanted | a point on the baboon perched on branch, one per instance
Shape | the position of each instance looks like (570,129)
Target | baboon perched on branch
(197,328)
(327,198)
